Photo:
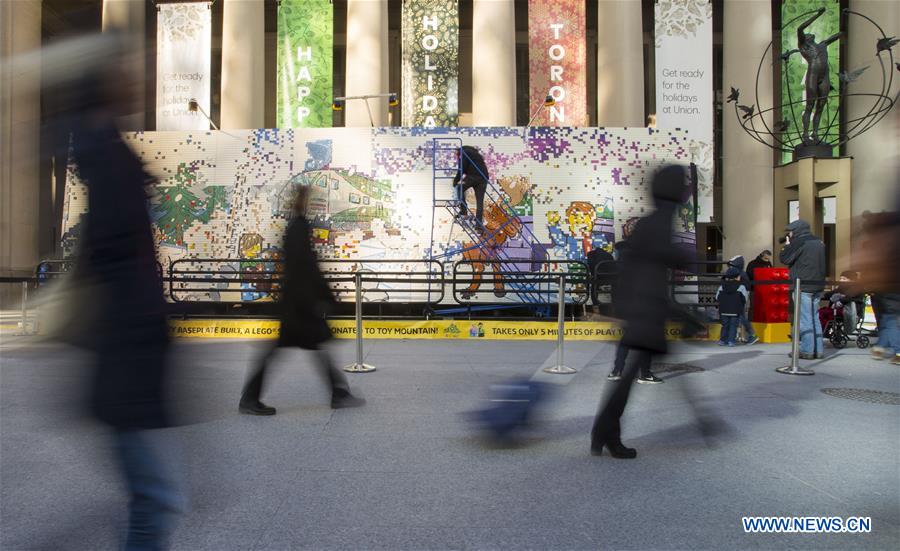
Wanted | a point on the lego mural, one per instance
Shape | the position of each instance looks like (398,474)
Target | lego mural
(222,199)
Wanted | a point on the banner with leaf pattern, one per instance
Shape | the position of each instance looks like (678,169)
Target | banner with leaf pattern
(430,63)
(305,63)
(793,70)
(557,61)
(183,56)
(684,85)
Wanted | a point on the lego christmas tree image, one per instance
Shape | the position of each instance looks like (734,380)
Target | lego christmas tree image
(179,203)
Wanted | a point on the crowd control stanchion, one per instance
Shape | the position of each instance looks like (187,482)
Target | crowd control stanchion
(560,367)
(794,368)
(24,318)
(359,366)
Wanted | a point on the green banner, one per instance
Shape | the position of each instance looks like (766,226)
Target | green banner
(430,64)
(305,59)
(794,102)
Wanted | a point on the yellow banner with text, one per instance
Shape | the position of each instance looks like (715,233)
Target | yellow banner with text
(440,329)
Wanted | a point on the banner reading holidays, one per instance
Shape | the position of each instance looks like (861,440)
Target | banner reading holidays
(183,44)
(305,60)
(557,61)
(430,63)
(684,85)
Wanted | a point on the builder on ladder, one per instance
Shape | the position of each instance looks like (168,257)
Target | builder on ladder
(473,174)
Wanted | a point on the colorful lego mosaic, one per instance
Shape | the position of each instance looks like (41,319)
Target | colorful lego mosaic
(227,195)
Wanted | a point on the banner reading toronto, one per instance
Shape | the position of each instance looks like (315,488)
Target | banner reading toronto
(182,65)
(684,85)
(430,63)
(557,61)
(305,60)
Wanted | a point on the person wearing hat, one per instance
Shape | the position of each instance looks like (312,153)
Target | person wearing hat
(732,298)
(804,254)
(642,301)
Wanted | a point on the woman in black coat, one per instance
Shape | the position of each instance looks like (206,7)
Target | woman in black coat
(305,298)
(123,321)
(642,301)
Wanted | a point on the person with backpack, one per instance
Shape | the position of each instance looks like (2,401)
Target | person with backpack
(732,298)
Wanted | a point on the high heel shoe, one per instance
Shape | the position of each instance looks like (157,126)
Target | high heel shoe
(616,449)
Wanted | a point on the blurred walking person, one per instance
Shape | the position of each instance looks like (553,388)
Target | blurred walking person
(123,322)
(305,299)
(642,302)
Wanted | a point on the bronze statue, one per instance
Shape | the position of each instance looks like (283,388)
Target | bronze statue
(818,85)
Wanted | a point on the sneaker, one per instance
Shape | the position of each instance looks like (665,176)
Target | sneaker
(614,376)
(257,408)
(879,353)
(895,360)
(804,356)
(649,380)
(341,401)
(752,340)
(730,344)
(721,343)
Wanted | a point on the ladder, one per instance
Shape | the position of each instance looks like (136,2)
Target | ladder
(445,166)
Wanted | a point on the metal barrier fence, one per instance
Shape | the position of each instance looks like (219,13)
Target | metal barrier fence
(239,280)
(25,320)
(530,286)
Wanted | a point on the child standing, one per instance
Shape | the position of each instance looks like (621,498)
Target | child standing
(732,297)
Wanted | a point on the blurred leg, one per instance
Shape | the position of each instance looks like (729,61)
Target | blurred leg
(621,354)
(607,425)
(749,333)
(155,496)
(253,387)
(332,374)
(889,336)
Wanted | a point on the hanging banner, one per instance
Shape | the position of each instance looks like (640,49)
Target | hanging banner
(825,27)
(305,60)
(557,61)
(684,85)
(183,42)
(430,63)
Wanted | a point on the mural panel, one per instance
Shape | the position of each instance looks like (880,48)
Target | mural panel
(226,195)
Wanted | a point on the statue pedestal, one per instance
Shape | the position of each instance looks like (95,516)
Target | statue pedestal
(819,151)
(808,181)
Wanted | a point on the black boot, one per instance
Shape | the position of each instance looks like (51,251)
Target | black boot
(343,399)
(255,408)
(615,447)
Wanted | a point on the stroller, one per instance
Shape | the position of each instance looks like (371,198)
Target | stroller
(834,327)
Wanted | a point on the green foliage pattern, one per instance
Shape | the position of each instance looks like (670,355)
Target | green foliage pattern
(302,24)
(445,77)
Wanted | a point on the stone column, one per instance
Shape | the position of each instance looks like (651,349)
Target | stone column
(367,60)
(620,64)
(243,64)
(876,154)
(747,179)
(129,17)
(20,121)
(494,67)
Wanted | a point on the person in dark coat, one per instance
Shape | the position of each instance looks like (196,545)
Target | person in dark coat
(305,298)
(732,298)
(642,301)
(762,260)
(125,322)
(645,376)
(804,254)
(743,320)
(472,174)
